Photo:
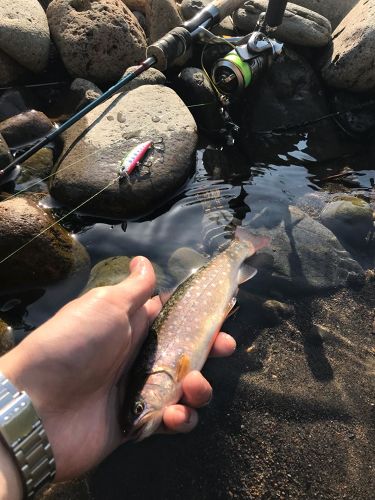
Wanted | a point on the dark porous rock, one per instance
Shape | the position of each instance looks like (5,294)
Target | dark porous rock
(108,134)
(196,91)
(290,419)
(161,17)
(6,338)
(46,259)
(140,18)
(357,112)
(25,128)
(113,270)
(350,219)
(189,8)
(300,26)
(289,96)
(304,256)
(5,154)
(150,77)
(84,91)
(96,39)
(350,63)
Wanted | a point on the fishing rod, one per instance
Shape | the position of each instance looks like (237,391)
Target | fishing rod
(160,54)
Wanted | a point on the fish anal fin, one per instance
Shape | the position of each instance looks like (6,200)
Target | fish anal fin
(183,367)
(245,273)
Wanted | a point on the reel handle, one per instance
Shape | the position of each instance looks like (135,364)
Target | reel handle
(275,13)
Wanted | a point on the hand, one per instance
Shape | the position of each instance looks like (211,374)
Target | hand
(71,364)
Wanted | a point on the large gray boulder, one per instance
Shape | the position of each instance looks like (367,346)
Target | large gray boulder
(333,10)
(95,146)
(351,61)
(24,33)
(303,257)
(300,26)
(10,70)
(96,39)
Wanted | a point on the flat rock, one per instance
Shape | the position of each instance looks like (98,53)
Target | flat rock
(351,61)
(333,10)
(46,259)
(96,39)
(300,26)
(161,17)
(24,33)
(304,256)
(108,134)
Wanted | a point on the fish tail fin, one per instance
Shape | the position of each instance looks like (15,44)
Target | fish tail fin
(255,241)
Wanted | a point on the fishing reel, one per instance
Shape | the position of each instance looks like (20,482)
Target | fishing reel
(243,65)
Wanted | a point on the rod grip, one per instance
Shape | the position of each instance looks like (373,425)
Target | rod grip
(275,12)
(226,7)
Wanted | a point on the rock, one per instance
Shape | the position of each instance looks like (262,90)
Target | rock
(5,154)
(39,165)
(300,26)
(25,128)
(196,91)
(76,489)
(349,218)
(333,10)
(140,18)
(161,17)
(114,270)
(84,91)
(126,120)
(317,335)
(289,97)
(10,70)
(44,260)
(17,100)
(360,117)
(304,256)
(189,8)
(351,61)
(96,39)
(136,4)
(150,77)
(6,338)
(24,33)
(184,261)
(276,311)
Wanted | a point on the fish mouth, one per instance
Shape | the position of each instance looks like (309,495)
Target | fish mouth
(145,426)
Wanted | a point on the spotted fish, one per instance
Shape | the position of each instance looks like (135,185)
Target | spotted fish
(182,335)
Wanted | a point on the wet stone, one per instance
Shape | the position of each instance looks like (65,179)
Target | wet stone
(126,120)
(25,128)
(6,337)
(50,257)
(39,165)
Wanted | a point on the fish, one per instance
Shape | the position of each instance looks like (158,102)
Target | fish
(131,160)
(182,335)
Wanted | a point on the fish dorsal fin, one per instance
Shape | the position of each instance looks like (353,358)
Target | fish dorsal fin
(245,273)
(183,367)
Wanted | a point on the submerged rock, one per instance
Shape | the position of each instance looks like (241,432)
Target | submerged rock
(113,270)
(304,256)
(45,259)
(96,39)
(300,26)
(350,219)
(39,165)
(351,61)
(24,33)
(25,128)
(108,134)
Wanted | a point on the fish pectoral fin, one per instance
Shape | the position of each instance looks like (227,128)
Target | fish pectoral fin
(245,273)
(183,367)
(230,309)
(165,295)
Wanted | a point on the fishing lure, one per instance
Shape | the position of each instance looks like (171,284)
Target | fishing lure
(131,160)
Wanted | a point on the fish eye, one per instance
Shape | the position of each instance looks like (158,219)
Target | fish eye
(138,408)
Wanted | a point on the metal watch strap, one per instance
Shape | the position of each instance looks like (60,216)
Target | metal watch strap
(22,431)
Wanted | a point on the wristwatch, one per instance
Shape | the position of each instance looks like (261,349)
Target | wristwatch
(22,432)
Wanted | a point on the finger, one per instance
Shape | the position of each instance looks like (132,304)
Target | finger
(224,345)
(179,418)
(153,308)
(196,389)
(137,288)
